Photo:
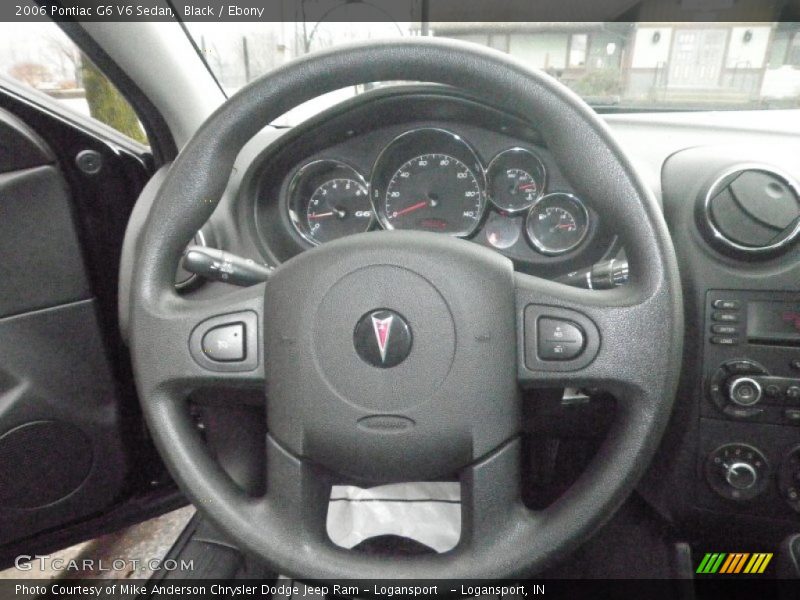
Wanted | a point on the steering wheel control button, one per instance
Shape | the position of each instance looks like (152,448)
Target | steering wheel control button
(559,339)
(383,338)
(225,343)
(737,472)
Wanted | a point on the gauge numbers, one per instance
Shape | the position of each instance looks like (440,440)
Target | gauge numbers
(518,187)
(328,200)
(557,223)
(429,179)
(338,207)
(516,179)
(434,192)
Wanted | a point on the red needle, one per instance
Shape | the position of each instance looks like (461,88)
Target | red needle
(527,186)
(411,208)
(320,215)
(564,226)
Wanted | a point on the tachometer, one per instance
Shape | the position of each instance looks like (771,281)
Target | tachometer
(328,200)
(337,208)
(441,190)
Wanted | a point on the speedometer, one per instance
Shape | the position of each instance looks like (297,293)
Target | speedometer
(433,192)
(429,180)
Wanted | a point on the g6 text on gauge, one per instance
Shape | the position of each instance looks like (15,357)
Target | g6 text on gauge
(328,200)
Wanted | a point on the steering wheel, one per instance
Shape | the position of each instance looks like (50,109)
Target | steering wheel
(441,396)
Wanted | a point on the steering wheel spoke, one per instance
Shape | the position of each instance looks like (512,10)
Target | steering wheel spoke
(214,342)
(571,337)
(297,494)
(491,502)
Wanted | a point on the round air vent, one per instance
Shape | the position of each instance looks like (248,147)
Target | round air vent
(753,210)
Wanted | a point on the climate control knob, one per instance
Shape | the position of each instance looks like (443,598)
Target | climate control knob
(737,472)
(744,391)
(740,475)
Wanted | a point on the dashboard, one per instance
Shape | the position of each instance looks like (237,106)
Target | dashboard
(431,179)
(445,164)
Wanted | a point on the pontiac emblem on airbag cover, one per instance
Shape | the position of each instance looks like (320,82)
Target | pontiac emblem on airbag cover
(382,338)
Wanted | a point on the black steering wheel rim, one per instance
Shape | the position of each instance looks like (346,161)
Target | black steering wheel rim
(639,345)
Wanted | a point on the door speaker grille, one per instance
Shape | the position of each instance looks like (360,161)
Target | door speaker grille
(42,462)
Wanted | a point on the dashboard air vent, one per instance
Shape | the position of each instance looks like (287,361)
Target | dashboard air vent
(753,210)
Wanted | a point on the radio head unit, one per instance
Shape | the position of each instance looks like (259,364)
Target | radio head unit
(773,321)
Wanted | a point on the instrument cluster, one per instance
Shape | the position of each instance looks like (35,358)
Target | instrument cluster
(431,179)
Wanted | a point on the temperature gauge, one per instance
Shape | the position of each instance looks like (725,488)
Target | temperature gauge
(557,224)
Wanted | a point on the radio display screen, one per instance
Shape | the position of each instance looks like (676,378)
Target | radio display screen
(773,321)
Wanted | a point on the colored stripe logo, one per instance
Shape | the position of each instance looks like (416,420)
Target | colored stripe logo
(734,563)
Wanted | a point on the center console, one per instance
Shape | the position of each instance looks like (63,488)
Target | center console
(751,374)
(730,461)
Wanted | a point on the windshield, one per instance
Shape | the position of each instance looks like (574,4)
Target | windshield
(613,66)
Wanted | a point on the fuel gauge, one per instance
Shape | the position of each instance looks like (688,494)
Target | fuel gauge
(557,223)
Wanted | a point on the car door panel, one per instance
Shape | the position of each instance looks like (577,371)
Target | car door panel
(42,263)
(61,453)
(64,439)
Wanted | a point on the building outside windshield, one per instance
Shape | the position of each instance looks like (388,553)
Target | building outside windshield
(619,66)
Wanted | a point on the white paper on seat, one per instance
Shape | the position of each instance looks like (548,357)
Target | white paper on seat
(427,512)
